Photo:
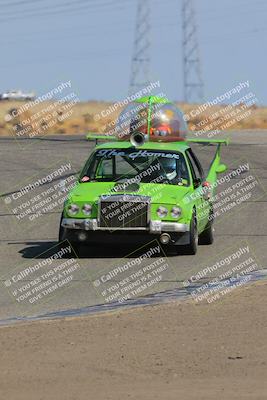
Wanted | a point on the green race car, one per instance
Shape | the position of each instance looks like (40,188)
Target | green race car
(144,183)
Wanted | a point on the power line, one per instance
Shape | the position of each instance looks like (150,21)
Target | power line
(66,11)
(51,8)
(22,2)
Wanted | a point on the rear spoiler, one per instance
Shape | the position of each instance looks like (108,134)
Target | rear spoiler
(212,173)
(95,137)
(209,142)
(217,158)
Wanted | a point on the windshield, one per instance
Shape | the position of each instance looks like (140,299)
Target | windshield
(145,166)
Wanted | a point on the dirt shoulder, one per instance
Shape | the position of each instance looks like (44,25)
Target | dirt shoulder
(173,351)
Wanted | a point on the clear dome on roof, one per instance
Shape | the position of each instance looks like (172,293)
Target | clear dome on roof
(158,119)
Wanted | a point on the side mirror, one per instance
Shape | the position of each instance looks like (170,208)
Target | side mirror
(221,168)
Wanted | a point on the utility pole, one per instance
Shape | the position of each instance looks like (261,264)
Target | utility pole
(193,83)
(140,69)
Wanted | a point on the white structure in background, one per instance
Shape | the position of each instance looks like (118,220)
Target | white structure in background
(17,95)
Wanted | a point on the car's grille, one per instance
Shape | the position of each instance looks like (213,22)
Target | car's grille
(123,212)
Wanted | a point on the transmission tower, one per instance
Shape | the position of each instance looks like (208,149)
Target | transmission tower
(140,69)
(193,83)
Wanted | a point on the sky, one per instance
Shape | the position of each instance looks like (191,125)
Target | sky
(90,42)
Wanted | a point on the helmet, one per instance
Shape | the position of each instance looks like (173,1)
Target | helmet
(169,167)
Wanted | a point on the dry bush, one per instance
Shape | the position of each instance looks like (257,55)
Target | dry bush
(82,118)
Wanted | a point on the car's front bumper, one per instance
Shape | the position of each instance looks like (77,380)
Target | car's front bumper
(153,227)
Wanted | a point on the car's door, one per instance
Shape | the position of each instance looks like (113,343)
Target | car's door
(202,204)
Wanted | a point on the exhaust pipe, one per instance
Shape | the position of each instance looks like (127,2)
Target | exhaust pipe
(137,139)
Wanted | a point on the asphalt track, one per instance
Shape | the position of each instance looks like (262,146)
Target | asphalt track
(23,242)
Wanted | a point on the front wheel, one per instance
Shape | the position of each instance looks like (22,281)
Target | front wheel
(63,236)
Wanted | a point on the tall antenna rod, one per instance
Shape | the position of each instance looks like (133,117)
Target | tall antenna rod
(193,83)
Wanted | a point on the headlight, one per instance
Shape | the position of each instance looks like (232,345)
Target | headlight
(162,212)
(87,209)
(176,212)
(73,209)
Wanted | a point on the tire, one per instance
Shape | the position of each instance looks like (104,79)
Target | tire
(77,249)
(207,237)
(63,235)
(191,248)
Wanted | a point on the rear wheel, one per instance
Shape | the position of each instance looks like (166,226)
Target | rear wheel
(207,237)
(191,248)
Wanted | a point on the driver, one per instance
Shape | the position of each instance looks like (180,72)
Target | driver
(169,167)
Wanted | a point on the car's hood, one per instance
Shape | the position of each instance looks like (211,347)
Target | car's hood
(159,193)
